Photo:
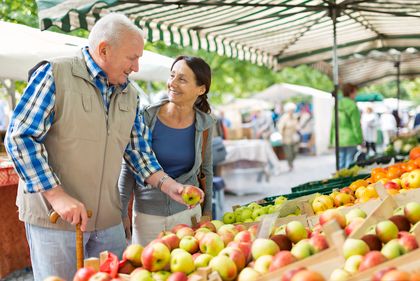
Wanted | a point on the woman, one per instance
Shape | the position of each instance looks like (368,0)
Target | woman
(178,125)
(369,121)
(350,130)
(288,128)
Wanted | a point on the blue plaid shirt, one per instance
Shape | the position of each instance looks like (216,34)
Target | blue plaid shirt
(34,114)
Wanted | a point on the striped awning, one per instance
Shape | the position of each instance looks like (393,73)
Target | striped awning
(275,33)
(375,66)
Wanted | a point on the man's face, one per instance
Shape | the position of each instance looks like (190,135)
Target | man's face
(122,58)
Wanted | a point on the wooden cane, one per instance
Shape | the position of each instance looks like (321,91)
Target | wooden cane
(79,237)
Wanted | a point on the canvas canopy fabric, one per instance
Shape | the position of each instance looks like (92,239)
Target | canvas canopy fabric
(274,33)
(22,47)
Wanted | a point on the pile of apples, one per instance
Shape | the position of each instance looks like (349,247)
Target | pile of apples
(392,273)
(232,251)
(384,241)
(254,212)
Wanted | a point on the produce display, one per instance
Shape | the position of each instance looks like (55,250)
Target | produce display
(288,237)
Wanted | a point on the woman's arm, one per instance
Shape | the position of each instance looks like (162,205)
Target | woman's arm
(208,172)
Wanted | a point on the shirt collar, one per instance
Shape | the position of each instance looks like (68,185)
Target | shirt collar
(95,71)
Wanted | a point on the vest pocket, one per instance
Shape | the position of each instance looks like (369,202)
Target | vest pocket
(87,102)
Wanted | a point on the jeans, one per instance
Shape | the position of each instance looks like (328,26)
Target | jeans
(53,252)
(346,156)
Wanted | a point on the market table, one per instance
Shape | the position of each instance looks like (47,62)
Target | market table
(247,161)
(14,249)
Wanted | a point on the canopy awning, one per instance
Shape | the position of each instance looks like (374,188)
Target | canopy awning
(274,33)
(22,47)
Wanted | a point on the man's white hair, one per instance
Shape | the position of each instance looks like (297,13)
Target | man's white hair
(110,28)
(290,106)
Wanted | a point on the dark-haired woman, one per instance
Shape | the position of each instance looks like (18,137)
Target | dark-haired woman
(177,125)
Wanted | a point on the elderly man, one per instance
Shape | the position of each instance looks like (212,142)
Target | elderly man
(75,122)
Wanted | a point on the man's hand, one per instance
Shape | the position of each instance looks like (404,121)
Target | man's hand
(69,209)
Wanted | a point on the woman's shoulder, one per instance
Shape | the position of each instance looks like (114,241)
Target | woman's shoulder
(204,120)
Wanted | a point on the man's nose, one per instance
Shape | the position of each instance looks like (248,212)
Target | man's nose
(135,66)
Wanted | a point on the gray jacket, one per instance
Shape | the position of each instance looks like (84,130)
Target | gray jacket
(149,200)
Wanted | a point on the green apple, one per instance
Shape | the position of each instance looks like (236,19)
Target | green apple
(262,264)
(202,260)
(248,274)
(228,218)
(219,223)
(253,206)
(280,200)
(353,247)
(302,249)
(161,275)
(225,267)
(133,254)
(246,214)
(352,264)
(339,274)
(257,213)
(189,244)
(393,249)
(386,231)
(412,211)
(296,231)
(182,262)
(140,274)
(211,244)
(262,246)
(355,213)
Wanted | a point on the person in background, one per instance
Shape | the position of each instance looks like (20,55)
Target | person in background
(416,123)
(183,118)
(388,126)
(369,123)
(350,131)
(288,128)
(306,124)
(75,122)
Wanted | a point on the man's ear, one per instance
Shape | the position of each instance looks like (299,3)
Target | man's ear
(103,49)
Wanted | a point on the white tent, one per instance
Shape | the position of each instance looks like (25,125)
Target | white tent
(22,47)
(322,108)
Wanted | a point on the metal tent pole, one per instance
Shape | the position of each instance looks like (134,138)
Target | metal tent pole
(398,66)
(335,80)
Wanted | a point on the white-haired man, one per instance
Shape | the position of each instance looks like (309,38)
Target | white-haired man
(75,122)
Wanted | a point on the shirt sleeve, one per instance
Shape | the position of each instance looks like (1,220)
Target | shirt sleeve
(138,154)
(31,120)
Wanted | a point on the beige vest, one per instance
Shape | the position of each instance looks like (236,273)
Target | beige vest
(85,148)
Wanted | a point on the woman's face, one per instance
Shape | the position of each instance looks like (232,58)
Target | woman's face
(182,86)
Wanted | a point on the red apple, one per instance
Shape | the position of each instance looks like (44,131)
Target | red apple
(185,231)
(243,246)
(171,240)
(100,276)
(225,267)
(240,227)
(281,259)
(333,214)
(396,275)
(244,236)
(235,255)
(282,241)
(408,241)
(288,275)
(402,223)
(377,276)
(372,241)
(191,195)
(178,276)
(307,275)
(372,259)
(319,242)
(207,224)
(189,244)
(178,227)
(353,225)
(125,267)
(84,273)
(155,256)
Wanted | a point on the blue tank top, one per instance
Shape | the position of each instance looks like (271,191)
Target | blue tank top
(174,148)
